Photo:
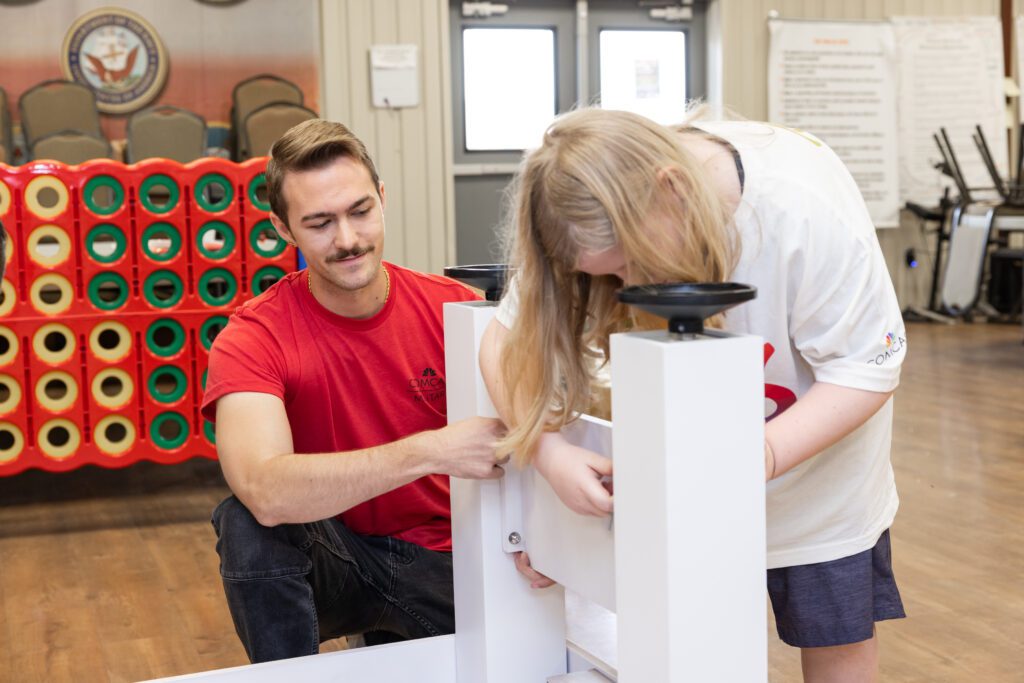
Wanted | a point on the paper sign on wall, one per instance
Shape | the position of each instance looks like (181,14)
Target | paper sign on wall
(951,75)
(394,76)
(837,81)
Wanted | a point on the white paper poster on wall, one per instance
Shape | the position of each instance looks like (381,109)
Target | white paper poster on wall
(951,75)
(394,76)
(837,81)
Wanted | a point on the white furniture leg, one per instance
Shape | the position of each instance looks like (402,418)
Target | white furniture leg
(689,507)
(507,632)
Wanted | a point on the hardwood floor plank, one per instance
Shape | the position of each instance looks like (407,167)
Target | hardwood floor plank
(111,575)
(958,540)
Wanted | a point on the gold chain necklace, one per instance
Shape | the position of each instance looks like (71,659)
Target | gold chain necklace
(387,284)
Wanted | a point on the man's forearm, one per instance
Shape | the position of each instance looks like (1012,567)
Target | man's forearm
(296,488)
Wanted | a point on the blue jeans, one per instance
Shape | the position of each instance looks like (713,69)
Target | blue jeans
(293,586)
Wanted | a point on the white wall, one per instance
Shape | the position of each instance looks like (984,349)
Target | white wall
(744,41)
(411,147)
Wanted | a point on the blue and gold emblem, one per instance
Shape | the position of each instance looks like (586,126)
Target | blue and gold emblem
(119,55)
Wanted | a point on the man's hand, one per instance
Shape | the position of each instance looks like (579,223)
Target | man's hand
(537,580)
(575,474)
(465,448)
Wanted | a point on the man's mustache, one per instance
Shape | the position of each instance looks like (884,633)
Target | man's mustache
(350,253)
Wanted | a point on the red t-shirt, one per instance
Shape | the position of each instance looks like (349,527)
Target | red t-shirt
(349,384)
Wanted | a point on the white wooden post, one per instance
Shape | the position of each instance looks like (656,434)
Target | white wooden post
(689,508)
(507,632)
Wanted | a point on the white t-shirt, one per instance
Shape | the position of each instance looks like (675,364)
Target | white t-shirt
(826,306)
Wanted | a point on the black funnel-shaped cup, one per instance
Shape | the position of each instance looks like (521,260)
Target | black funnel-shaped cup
(687,305)
(490,277)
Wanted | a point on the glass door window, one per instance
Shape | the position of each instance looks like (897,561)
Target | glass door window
(516,65)
(644,72)
(509,81)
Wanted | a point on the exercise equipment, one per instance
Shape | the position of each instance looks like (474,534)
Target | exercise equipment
(976,232)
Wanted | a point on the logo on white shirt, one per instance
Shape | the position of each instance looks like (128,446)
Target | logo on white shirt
(893,345)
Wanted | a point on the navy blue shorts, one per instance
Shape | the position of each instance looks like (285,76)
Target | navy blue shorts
(837,602)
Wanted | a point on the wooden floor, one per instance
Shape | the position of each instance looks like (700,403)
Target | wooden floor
(958,540)
(112,575)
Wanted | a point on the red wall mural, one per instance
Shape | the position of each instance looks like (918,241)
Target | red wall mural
(210,47)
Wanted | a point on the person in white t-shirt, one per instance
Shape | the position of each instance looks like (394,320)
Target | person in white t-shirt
(611,198)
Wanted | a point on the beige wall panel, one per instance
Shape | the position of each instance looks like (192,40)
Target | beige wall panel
(387,145)
(874,8)
(745,91)
(334,74)
(438,138)
(851,9)
(408,145)
(412,148)
(357,37)
(816,7)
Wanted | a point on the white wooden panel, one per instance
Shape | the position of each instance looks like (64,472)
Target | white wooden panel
(690,501)
(575,550)
(428,660)
(591,636)
(591,676)
(508,632)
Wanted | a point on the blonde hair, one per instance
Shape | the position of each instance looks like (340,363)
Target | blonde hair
(592,185)
(311,145)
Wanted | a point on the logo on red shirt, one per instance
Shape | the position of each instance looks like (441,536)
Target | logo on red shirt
(429,386)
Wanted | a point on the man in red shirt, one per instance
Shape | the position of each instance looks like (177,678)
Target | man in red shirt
(329,398)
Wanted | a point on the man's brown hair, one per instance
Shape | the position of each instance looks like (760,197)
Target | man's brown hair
(311,145)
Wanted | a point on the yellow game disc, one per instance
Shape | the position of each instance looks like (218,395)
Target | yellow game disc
(39,186)
(56,391)
(53,343)
(62,302)
(59,439)
(11,442)
(42,254)
(106,433)
(5,198)
(10,394)
(9,251)
(110,341)
(8,346)
(8,297)
(112,388)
